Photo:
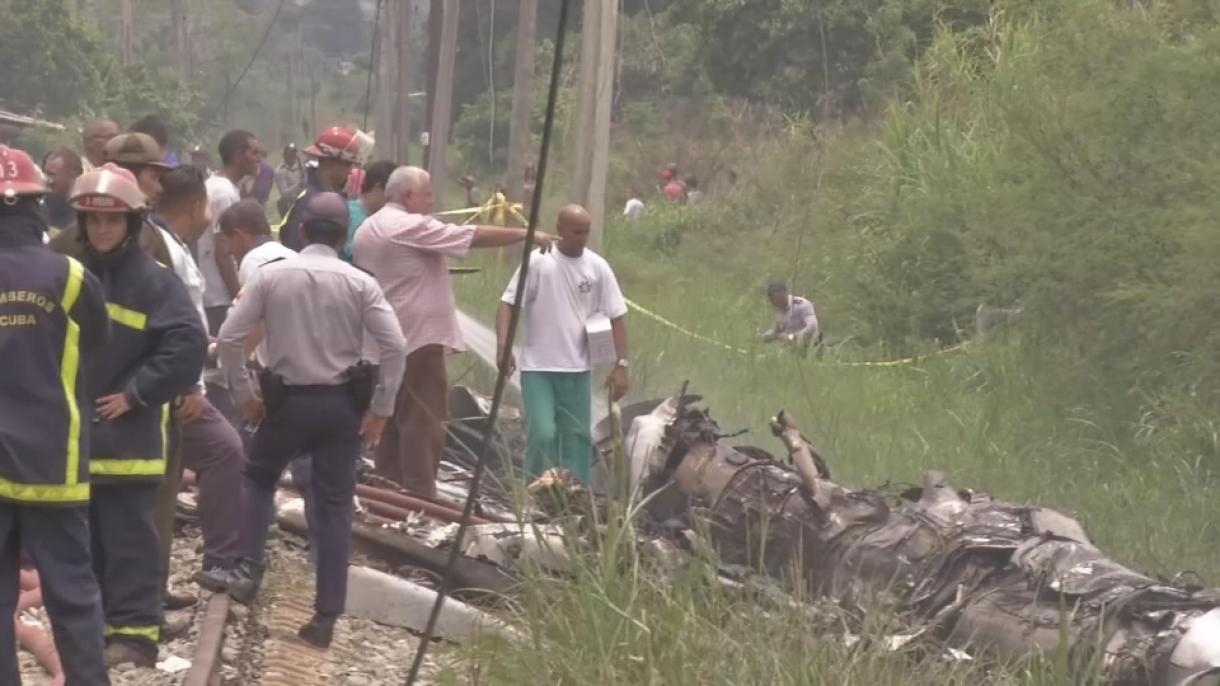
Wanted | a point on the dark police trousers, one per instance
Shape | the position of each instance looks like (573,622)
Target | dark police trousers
(127,560)
(323,422)
(58,540)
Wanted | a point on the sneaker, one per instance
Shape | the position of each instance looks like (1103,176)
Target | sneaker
(319,631)
(120,652)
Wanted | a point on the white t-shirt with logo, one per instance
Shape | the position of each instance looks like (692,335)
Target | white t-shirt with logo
(222,195)
(561,293)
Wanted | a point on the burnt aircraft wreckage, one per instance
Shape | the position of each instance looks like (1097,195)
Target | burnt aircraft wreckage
(998,580)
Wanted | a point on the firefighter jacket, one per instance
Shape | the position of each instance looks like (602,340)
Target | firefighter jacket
(289,228)
(52,324)
(155,353)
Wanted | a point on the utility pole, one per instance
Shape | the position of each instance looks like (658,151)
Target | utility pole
(438,149)
(523,83)
(592,149)
(383,110)
(127,38)
(436,10)
(182,51)
(402,81)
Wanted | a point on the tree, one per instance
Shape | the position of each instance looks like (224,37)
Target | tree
(53,62)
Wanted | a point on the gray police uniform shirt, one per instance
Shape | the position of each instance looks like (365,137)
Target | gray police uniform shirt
(315,309)
(799,319)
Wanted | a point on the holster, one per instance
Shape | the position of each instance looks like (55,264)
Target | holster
(361,382)
(275,393)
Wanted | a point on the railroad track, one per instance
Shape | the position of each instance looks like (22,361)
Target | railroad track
(268,651)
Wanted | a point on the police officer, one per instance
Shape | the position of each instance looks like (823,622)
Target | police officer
(315,309)
(155,353)
(52,322)
(333,154)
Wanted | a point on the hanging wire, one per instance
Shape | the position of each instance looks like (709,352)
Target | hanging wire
(253,56)
(502,377)
(374,60)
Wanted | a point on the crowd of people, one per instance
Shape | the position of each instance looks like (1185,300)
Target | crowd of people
(154,321)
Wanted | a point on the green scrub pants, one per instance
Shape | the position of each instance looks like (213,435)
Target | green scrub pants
(558,409)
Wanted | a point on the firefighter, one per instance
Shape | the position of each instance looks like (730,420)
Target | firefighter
(155,353)
(52,323)
(335,152)
(139,154)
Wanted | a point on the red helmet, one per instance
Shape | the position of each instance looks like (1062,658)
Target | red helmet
(342,143)
(19,175)
(109,188)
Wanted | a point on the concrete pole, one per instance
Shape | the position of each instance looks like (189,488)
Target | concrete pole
(401,16)
(438,162)
(523,83)
(592,148)
(590,31)
(383,110)
(128,30)
(182,56)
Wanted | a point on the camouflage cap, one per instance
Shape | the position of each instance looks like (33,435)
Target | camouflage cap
(134,148)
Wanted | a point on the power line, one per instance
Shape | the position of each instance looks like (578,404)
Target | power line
(374,60)
(253,56)
(502,377)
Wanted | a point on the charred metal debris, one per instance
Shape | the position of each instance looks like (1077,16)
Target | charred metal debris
(986,578)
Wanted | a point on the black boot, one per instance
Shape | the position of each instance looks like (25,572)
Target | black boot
(214,579)
(319,631)
(245,580)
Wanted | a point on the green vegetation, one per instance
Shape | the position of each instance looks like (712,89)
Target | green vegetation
(1061,157)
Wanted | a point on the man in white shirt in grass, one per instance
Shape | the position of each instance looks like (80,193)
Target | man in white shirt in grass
(564,288)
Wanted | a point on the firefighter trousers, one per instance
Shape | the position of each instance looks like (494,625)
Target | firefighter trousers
(127,560)
(57,538)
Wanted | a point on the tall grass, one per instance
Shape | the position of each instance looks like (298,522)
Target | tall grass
(1062,156)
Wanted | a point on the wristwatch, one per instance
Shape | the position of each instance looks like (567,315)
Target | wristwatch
(622,362)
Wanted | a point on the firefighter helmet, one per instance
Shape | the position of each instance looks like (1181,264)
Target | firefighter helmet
(19,175)
(109,188)
(342,143)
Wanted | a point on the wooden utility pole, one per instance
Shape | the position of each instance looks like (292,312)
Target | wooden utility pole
(438,149)
(523,84)
(592,131)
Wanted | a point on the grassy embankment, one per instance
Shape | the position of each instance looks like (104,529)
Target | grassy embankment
(1025,168)
(980,414)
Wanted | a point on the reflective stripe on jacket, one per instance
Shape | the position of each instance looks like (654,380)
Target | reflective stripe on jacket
(52,322)
(155,353)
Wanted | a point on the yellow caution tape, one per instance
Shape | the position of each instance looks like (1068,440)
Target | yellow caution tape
(653,315)
(496,211)
(742,351)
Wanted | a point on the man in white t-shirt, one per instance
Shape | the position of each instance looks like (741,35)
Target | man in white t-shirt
(240,154)
(564,288)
